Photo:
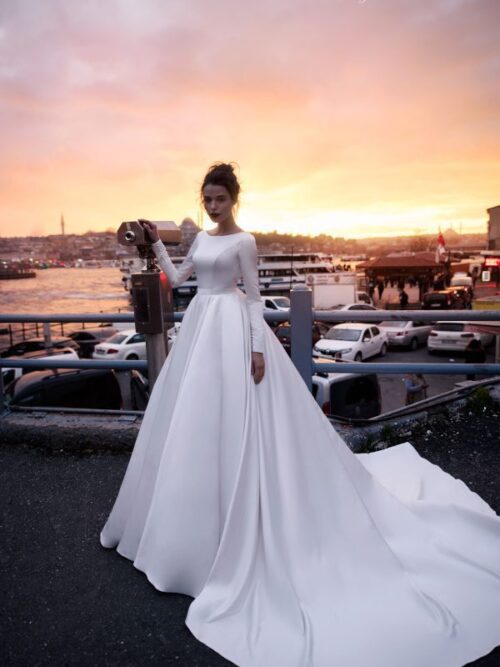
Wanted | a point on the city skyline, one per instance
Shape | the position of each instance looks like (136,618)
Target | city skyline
(351,118)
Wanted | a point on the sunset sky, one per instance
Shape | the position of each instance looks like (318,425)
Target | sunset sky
(348,117)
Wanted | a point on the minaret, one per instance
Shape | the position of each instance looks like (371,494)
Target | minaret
(62,224)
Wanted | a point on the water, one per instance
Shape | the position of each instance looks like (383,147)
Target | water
(86,290)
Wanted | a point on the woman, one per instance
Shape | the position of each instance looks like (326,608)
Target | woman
(240,494)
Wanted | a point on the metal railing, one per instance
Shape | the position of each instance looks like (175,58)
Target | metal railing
(301,316)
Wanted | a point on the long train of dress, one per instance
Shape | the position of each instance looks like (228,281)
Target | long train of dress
(298,552)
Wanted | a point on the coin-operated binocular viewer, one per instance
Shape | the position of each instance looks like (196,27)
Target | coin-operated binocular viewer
(151,292)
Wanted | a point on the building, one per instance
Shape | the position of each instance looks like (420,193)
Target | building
(402,268)
(494,228)
(188,232)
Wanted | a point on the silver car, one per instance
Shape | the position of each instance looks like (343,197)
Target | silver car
(406,334)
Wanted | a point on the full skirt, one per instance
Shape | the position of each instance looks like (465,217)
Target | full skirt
(298,552)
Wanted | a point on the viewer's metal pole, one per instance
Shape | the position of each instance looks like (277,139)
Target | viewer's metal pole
(301,321)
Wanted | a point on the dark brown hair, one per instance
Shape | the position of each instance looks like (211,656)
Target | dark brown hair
(222,173)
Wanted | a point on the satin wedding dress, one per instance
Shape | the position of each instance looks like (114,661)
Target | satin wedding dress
(298,552)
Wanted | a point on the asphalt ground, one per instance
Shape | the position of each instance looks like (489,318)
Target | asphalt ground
(392,388)
(68,601)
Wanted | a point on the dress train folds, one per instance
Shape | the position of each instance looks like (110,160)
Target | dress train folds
(297,552)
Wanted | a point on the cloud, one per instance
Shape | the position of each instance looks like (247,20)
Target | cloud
(140,96)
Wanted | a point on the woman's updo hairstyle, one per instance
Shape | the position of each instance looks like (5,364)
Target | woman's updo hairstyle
(222,173)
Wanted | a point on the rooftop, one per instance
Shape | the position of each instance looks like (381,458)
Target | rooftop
(69,601)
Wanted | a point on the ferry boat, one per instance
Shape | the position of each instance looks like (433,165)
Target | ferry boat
(278,272)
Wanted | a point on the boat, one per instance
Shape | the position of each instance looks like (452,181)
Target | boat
(278,272)
(15,271)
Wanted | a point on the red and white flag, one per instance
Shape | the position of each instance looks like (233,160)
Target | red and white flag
(441,249)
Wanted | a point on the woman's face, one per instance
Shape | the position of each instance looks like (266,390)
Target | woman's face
(218,203)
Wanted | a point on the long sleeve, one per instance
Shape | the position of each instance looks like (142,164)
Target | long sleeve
(175,275)
(248,262)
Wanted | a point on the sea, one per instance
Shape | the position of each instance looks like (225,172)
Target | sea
(61,290)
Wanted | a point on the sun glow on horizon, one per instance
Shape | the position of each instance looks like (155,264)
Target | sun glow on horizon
(392,133)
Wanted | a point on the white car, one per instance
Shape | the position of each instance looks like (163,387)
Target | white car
(451,336)
(276,303)
(352,341)
(348,395)
(356,306)
(408,334)
(127,344)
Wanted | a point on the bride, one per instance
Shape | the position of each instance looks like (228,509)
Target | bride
(239,493)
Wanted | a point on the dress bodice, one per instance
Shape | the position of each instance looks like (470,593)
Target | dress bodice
(220,261)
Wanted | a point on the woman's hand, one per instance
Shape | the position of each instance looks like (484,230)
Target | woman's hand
(151,230)
(258,366)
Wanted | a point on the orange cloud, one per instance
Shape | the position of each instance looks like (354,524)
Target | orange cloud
(356,118)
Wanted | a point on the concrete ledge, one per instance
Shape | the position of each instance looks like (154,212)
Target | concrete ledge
(61,431)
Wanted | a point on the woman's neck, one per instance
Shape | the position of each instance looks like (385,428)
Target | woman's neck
(223,229)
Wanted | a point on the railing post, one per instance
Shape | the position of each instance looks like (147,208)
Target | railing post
(301,322)
(47,335)
(3,406)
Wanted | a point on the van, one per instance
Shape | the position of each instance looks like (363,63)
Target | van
(347,395)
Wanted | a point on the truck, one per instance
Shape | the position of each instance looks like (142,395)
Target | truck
(332,289)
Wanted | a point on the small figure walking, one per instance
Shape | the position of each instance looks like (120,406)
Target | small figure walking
(403,298)
(380,289)
(416,388)
(474,354)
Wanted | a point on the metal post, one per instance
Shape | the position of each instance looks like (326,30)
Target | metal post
(3,406)
(497,348)
(301,322)
(156,354)
(47,334)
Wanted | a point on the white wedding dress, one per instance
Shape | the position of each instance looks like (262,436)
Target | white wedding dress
(298,552)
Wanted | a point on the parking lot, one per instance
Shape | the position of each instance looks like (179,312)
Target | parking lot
(392,387)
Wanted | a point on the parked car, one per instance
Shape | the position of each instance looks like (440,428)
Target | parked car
(352,341)
(283,333)
(139,389)
(355,306)
(361,307)
(406,334)
(67,387)
(461,279)
(276,303)
(347,395)
(11,374)
(87,339)
(364,297)
(38,343)
(127,344)
(451,298)
(453,336)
